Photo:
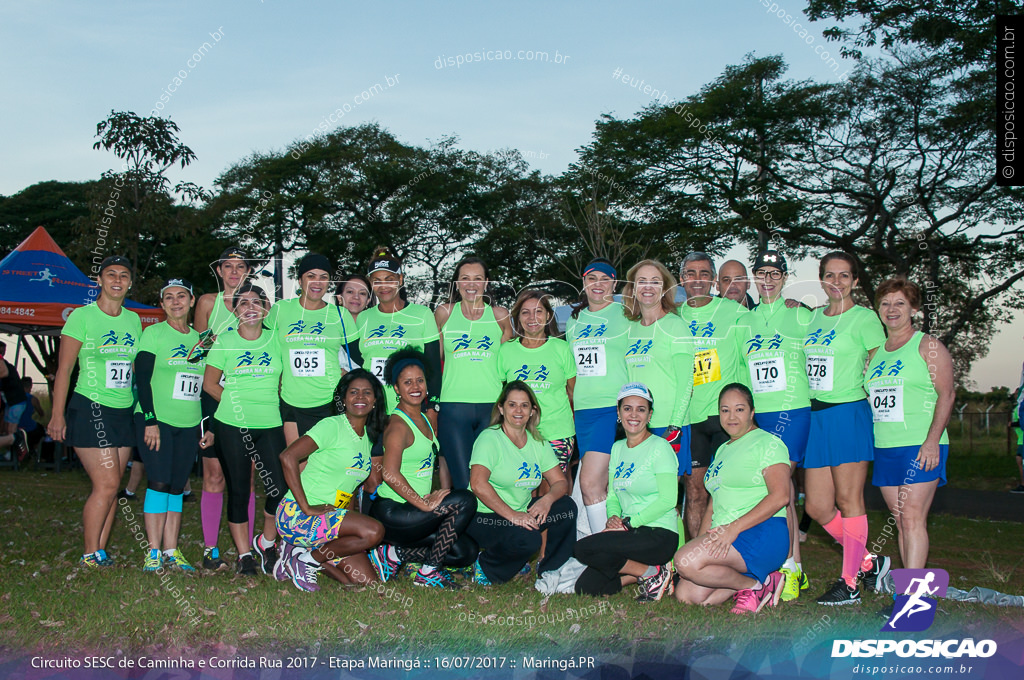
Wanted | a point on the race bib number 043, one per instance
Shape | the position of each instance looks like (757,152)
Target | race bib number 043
(886,403)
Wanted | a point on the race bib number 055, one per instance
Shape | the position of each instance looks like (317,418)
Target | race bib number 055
(307,363)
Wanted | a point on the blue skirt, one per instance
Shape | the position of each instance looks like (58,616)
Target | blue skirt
(793,427)
(595,429)
(897,466)
(841,434)
(764,547)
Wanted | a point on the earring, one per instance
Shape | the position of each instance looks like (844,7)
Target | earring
(618,419)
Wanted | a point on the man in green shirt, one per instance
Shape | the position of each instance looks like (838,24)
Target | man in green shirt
(718,361)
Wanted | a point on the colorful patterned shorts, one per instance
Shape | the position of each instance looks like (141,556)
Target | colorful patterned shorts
(307,531)
(563,451)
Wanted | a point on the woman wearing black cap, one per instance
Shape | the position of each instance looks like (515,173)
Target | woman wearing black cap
(167,419)
(215,313)
(310,333)
(247,423)
(103,338)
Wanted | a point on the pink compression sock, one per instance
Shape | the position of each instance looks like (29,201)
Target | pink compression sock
(211,504)
(835,528)
(855,539)
(252,515)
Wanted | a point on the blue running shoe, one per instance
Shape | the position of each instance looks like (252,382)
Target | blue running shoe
(382,562)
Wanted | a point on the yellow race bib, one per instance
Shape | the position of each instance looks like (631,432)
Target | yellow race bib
(706,367)
(342,500)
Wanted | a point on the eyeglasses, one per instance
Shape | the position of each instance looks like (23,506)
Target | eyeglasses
(771,274)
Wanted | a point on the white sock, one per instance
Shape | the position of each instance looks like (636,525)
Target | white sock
(306,557)
(758,586)
(169,553)
(791,565)
(393,553)
(426,569)
(597,515)
(264,543)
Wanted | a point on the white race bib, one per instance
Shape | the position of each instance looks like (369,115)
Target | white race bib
(119,375)
(819,372)
(590,361)
(186,386)
(768,375)
(886,403)
(223,380)
(308,363)
(377,367)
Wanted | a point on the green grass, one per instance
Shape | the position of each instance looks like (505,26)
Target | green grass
(49,605)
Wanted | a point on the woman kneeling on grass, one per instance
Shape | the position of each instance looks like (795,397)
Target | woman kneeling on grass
(641,532)
(319,531)
(509,460)
(420,525)
(743,537)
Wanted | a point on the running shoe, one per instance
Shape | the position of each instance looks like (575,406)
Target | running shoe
(153,560)
(282,568)
(188,497)
(177,561)
(20,445)
(246,565)
(125,493)
(90,561)
(1019,489)
(212,560)
(305,571)
(746,602)
(105,560)
(479,577)
(267,557)
(771,591)
(796,581)
(839,593)
(382,562)
(438,578)
(654,587)
(525,570)
(877,568)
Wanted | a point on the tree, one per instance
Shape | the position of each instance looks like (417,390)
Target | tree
(57,206)
(134,211)
(962,32)
(905,182)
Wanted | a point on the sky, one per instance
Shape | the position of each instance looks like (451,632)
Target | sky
(256,76)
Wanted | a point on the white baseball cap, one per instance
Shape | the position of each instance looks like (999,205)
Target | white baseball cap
(635,389)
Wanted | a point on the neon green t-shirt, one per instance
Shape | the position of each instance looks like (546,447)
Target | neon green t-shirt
(717,338)
(309,341)
(221,320)
(901,395)
(252,375)
(633,484)
(417,462)
(515,472)
(176,384)
(661,357)
(546,369)
(340,463)
(599,341)
(380,335)
(109,346)
(837,348)
(470,373)
(774,354)
(735,479)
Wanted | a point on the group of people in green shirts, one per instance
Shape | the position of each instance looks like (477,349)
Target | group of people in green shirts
(386,434)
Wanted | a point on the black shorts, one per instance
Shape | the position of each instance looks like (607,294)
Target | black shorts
(95,426)
(705,438)
(306,417)
(167,470)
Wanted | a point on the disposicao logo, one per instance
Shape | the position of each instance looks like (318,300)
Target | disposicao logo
(914,611)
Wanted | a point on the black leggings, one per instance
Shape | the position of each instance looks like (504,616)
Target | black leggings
(507,547)
(457,428)
(435,538)
(605,554)
(238,449)
(167,469)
